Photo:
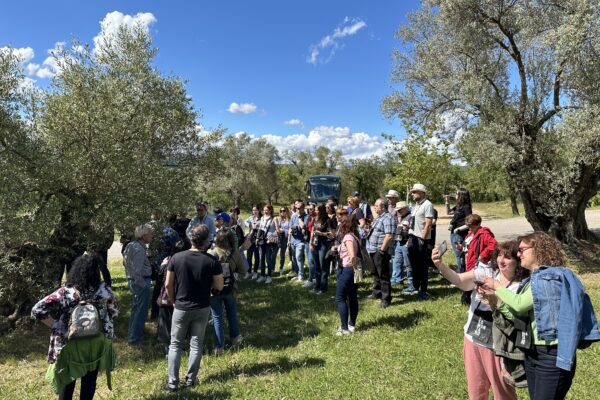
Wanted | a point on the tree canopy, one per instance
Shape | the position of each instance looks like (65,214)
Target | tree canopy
(521,77)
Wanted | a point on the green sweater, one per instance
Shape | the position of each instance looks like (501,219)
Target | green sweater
(518,305)
(79,357)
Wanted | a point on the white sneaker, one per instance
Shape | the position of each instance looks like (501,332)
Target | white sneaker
(260,279)
(308,284)
(342,332)
(248,275)
(299,278)
(269,279)
(351,328)
(254,276)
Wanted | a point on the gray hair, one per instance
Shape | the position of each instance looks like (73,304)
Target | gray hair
(199,236)
(384,202)
(142,230)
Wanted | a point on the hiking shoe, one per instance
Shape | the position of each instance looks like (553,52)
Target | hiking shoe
(424,296)
(237,341)
(268,279)
(254,276)
(342,332)
(260,279)
(169,388)
(218,351)
(248,275)
(409,290)
(308,284)
(189,384)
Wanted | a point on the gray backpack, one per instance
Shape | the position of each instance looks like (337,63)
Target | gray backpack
(84,321)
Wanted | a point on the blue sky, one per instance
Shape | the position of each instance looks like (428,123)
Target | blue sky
(300,74)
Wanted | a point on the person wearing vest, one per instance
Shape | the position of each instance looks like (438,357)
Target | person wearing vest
(233,267)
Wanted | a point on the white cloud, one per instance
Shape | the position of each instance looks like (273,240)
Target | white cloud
(109,26)
(51,65)
(351,144)
(24,54)
(243,108)
(294,122)
(331,43)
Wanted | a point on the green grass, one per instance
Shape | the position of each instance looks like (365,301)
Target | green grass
(411,350)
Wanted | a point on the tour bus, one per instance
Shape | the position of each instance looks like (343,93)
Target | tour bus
(320,187)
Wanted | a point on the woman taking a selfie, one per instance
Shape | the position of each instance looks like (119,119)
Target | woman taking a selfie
(483,368)
(560,313)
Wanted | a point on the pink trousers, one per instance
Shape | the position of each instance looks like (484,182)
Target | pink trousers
(484,370)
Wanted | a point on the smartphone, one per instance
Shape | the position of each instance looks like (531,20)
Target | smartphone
(443,247)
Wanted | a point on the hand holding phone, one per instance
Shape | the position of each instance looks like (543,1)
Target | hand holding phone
(442,248)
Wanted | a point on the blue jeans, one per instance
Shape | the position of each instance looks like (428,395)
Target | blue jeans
(267,252)
(194,322)
(402,268)
(544,379)
(216,307)
(140,299)
(311,264)
(346,297)
(282,249)
(321,267)
(456,238)
(297,253)
(253,252)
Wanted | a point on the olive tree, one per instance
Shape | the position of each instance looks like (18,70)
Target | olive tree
(110,141)
(524,77)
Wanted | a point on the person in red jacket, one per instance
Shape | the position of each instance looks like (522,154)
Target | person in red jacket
(481,242)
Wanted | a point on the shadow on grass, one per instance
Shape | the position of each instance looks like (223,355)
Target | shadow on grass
(398,322)
(281,365)
(192,394)
(280,314)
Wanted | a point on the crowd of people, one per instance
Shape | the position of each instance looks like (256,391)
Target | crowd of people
(527,313)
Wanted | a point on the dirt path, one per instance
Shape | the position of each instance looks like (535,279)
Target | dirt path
(503,229)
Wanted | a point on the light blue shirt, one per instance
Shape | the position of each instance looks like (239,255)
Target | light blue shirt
(208,221)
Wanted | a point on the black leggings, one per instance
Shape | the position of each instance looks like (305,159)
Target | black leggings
(88,387)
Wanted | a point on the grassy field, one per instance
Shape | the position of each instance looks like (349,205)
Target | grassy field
(411,350)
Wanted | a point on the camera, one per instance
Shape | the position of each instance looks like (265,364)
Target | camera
(296,230)
(449,197)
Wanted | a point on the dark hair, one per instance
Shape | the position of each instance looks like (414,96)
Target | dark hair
(473,219)
(179,246)
(258,208)
(225,239)
(235,209)
(217,210)
(463,198)
(322,216)
(85,272)
(199,236)
(348,224)
(547,250)
(509,249)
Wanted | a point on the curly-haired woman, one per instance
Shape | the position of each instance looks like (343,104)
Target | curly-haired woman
(560,313)
(83,357)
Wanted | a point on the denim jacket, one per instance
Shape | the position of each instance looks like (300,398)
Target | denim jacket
(562,311)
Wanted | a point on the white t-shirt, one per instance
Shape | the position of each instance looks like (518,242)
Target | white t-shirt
(422,210)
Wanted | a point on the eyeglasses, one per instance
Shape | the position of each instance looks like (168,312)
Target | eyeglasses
(522,249)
